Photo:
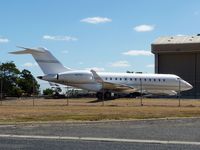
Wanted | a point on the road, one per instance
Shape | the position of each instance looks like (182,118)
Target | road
(145,134)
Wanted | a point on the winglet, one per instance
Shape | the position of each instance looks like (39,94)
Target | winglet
(96,76)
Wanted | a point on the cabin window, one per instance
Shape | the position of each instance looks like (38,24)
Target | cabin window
(120,78)
(140,79)
(163,80)
(154,80)
(135,79)
(106,78)
(159,80)
(131,79)
(145,79)
(115,78)
(110,78)
(125,78)
(150,80)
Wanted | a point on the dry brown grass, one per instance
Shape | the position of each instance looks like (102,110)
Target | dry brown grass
(13,111)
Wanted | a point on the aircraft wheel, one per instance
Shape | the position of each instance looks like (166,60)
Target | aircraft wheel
(107,95)
(99,95)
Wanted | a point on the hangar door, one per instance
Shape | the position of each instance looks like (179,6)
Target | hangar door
(183,65)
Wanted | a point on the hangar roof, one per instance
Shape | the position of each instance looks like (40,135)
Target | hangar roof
(168,44)
(177,40)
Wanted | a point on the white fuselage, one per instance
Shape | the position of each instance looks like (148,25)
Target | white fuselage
(112,82)
(154,83)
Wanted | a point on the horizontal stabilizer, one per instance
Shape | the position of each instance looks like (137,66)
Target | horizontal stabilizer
(29,51)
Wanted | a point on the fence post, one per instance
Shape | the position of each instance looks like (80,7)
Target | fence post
(141,97)
(67,95)
(103,94)
(179,93)
(33,92)
(1,90)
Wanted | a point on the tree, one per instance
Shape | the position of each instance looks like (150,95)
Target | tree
(15,83)
(48,92)
(17,92)
(28,83)
(9,74)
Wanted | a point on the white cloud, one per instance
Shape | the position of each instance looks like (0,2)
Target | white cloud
(137,53)
(29,64)
(59,38)
(65,52)
(122,63)
(96,20)
(144,28)
(180,35)
(3,40)
(96,69)
(150,66)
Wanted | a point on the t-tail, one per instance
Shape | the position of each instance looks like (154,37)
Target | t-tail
(47,62)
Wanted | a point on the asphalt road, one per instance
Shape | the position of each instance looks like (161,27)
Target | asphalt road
(24,144)
(149,134)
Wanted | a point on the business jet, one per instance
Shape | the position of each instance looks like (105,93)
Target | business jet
(104,83)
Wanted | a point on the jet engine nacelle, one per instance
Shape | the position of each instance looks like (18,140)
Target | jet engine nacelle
(76,77)
(49,77)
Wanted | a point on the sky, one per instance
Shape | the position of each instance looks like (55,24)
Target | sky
(105,35)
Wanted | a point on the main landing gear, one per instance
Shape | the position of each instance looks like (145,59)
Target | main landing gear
(107,96)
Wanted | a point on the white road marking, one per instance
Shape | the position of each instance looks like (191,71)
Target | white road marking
(99,139)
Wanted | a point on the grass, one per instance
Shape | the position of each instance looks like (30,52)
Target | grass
(14,111)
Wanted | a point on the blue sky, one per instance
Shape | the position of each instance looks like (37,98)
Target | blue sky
(108,35)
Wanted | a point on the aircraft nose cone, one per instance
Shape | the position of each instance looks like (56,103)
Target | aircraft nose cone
(189,86)
(186,85)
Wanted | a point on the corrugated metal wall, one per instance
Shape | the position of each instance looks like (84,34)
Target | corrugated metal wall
(185,65)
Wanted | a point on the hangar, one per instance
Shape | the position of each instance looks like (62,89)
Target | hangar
(179,55)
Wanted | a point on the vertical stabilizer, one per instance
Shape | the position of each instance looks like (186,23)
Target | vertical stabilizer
(47,62)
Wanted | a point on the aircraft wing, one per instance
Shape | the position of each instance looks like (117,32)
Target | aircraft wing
(119,87)
(162,92)
(128,89)
(53,84)
(113,86)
